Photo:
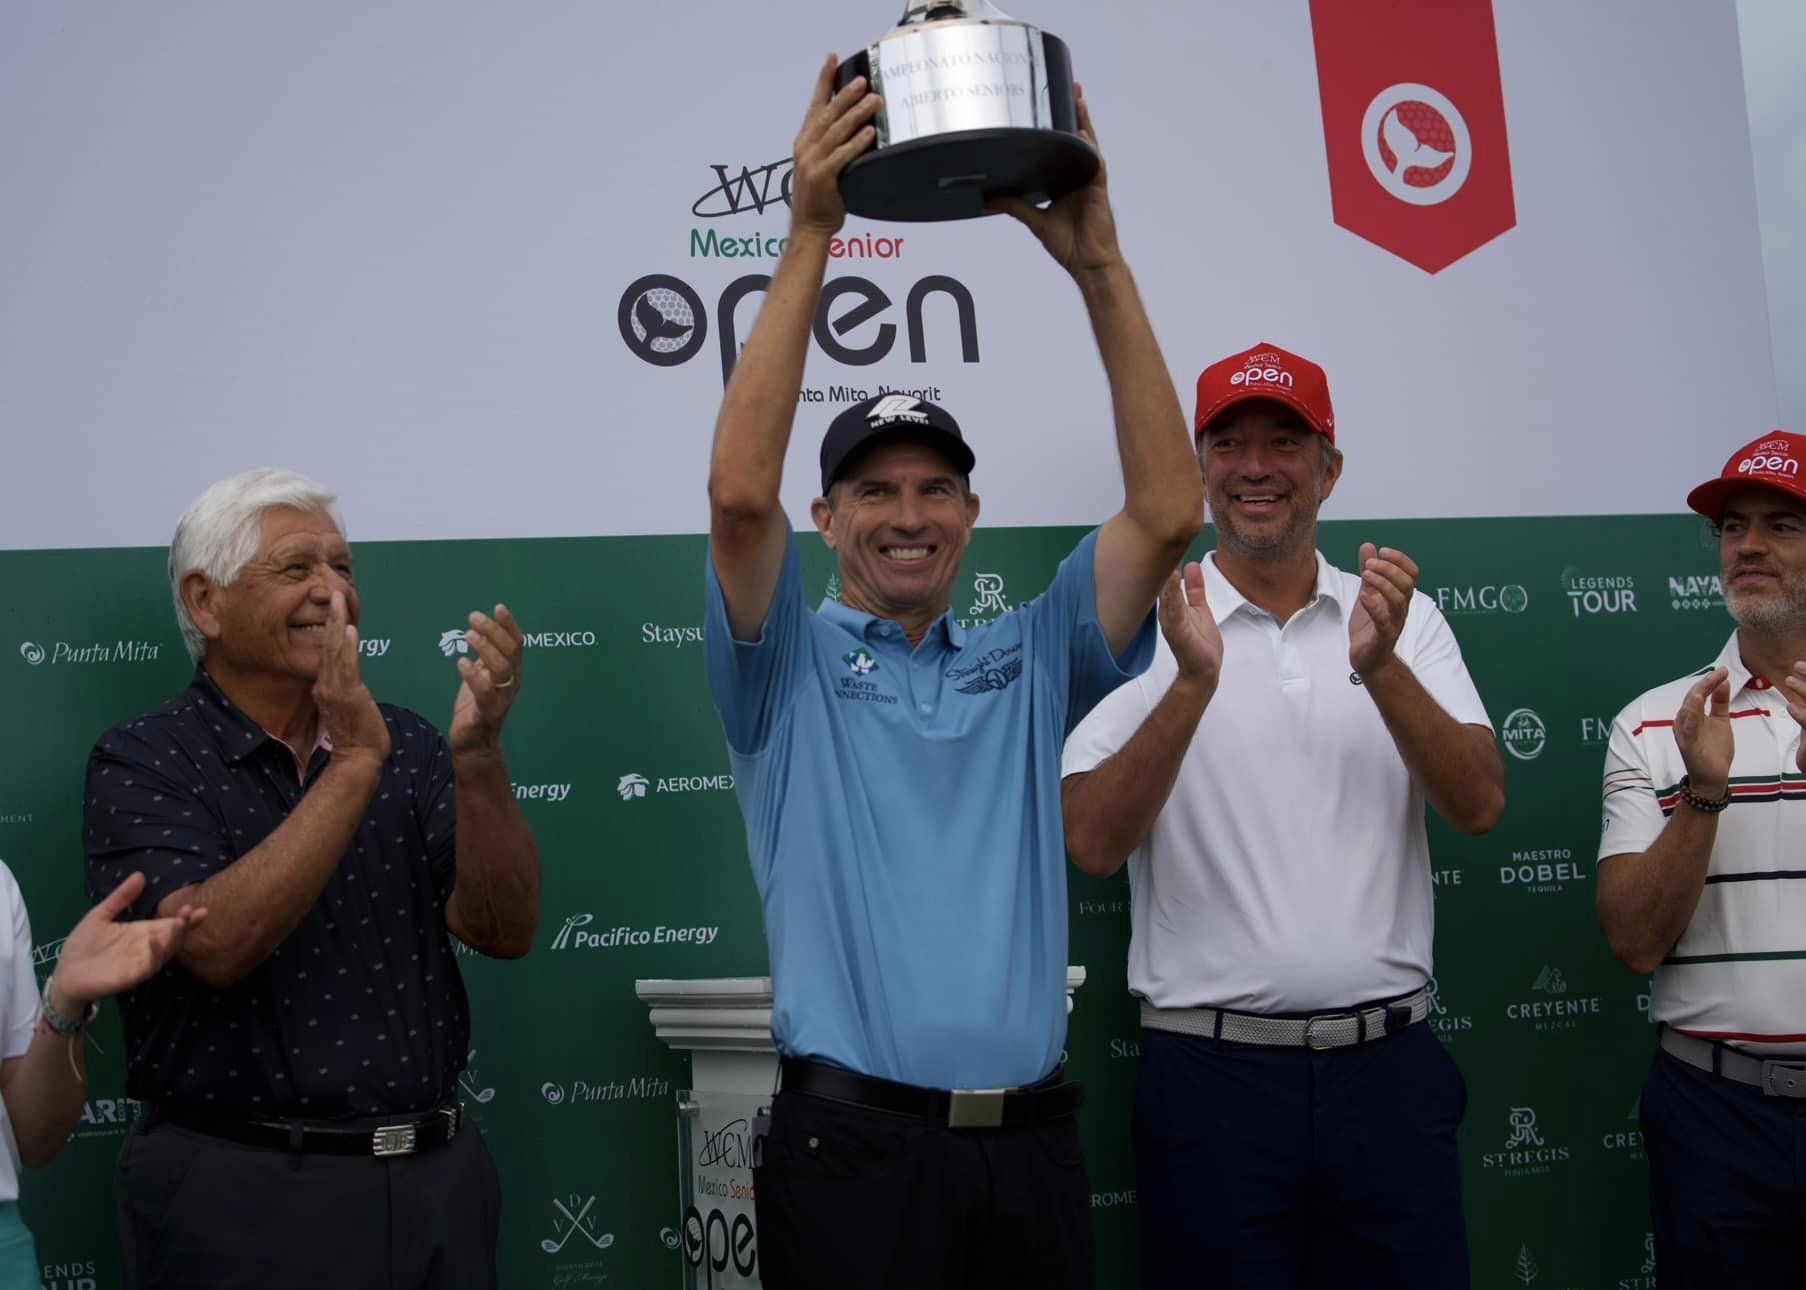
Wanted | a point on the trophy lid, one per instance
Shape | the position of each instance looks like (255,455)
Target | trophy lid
(919,11)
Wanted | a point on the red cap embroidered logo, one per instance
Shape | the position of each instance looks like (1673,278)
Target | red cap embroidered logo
(1414,125)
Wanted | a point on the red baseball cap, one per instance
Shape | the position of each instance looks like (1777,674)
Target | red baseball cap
(1776,460)
(1266,372)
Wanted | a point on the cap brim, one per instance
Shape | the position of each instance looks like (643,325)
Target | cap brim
(1710,497)
(1263,395)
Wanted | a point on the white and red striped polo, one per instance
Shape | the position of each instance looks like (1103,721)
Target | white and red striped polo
(1738,973)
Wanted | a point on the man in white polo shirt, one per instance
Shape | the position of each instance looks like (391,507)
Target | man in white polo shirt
(1713,901)
(1265,780)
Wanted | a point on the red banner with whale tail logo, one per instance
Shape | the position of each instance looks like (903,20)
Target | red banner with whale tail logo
(1414,125)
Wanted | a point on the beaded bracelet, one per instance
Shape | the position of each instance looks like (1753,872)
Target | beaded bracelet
(1704,805)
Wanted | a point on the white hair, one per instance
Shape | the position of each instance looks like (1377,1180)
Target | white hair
(220,532)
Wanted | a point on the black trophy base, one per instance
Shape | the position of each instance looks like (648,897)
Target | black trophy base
(952,176)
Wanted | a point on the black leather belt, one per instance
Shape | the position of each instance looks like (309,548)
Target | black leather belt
(406,1136)
(958,1108)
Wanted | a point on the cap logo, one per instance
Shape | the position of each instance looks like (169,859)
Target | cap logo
(897,407)
(1762,464)
(1263,376)
(1773,445)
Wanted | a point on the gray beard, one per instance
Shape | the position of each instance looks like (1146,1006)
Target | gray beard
(1784,612)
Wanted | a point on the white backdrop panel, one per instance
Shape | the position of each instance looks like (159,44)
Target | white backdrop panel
(387,244)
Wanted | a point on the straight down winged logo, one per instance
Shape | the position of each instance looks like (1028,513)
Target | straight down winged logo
(993,677)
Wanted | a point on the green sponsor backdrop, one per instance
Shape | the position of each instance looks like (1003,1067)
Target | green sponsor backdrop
(621,769)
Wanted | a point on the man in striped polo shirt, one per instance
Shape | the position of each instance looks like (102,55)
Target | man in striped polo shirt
(1713,902)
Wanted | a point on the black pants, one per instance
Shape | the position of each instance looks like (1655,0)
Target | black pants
(1281,1168)
(196,1213)
(1727,1180)
(847,1196)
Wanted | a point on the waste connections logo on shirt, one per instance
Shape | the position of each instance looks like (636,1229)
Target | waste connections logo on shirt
(572,935)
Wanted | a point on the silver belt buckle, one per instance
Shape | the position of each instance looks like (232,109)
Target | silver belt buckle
(1310,1030)
(394,1140)
(1784,1079)
(976,1108)
(454,1119)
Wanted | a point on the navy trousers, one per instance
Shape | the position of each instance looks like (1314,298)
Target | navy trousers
(851,1197)
(199,1213)
(1281,1168)
(1727,1180)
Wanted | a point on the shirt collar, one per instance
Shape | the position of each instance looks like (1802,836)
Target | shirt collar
(243,736)
(866,626)
(1225,599)
(1731,658)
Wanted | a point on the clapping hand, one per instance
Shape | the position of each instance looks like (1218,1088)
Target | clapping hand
(491,680)
(104,956)
(1190,628)
(1794,691)
(1388,577)
(1702,732)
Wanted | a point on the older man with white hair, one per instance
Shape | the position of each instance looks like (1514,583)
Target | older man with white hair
(300,1057)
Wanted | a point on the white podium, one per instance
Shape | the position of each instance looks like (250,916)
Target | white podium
(725,1026)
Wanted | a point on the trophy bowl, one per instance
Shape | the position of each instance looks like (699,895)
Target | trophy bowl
(976,105)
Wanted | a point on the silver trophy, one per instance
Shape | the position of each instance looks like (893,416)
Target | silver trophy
(976,105)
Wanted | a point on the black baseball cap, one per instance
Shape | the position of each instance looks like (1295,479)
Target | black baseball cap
(885,417)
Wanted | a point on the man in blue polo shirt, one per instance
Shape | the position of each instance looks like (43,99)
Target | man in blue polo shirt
(900,780)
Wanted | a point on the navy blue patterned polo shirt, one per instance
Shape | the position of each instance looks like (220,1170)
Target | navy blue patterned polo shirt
(361,1011)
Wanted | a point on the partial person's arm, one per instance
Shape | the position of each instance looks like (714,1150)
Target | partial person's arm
(494,903)
(747,526)
(1645,899)
(1111,809)
(1163,507)
(1456,765)
(261,897)
(45,1087)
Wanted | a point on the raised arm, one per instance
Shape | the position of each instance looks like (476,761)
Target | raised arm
(1457,765)
(747,526)
(1109,810)
(1163,507)
(1645,899)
